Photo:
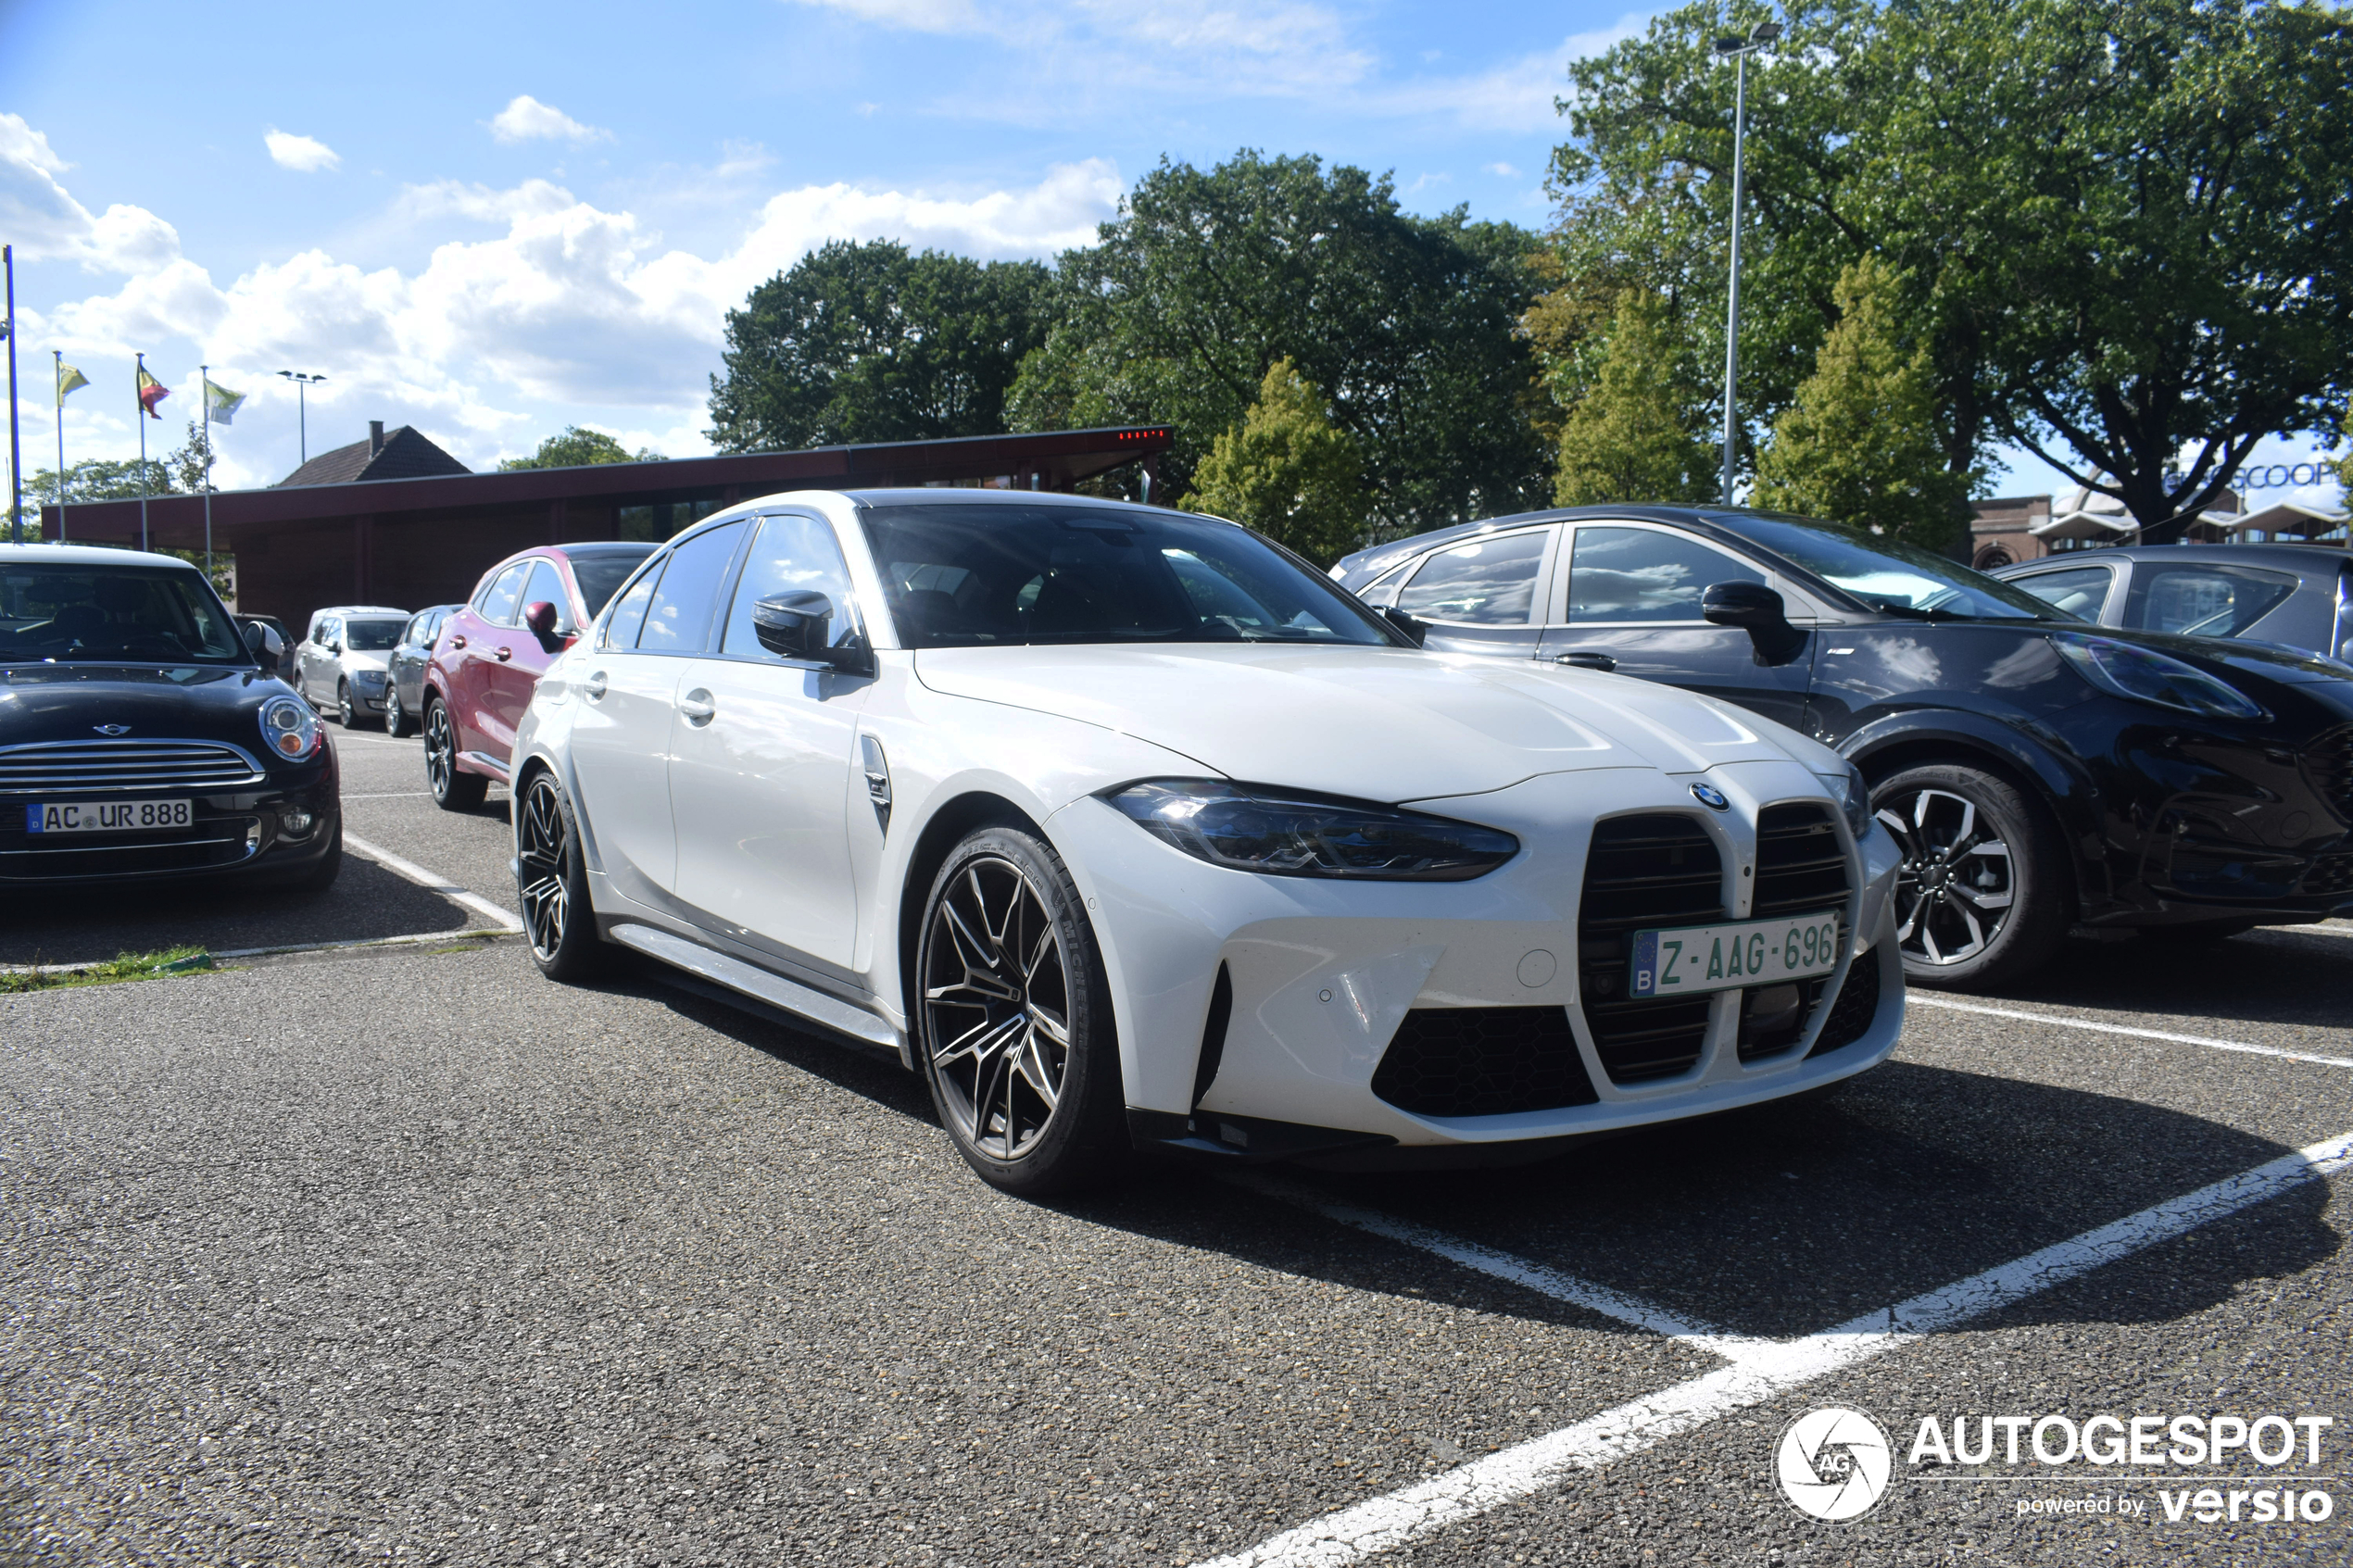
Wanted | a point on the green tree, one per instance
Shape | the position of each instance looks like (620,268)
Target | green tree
(101,480)
(1286,470)
(577,446)
(2114,222)
(2345,464)
(1630,432)
(1207,279)
(865,342)
(1859,442)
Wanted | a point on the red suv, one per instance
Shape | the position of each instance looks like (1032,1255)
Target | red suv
(490,652)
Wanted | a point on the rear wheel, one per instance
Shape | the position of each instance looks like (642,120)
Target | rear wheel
(551,884)
(1982,895)
(452,791)
(1014,1021)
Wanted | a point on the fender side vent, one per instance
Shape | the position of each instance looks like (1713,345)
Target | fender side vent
(1212,1034)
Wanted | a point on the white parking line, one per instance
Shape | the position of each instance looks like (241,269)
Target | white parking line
(1770,1368)
(424,878)
(1915,999)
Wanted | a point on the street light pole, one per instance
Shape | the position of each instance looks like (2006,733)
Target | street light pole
(302,405)
(1738,49)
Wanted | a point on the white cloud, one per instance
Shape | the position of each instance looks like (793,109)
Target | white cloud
(526,119)
(307,154)
(1518,95)
(560,309)
(1503,170)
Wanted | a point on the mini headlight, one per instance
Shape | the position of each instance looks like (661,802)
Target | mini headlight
(289,729)
(1275,834)
(2145,675)
(1854,797)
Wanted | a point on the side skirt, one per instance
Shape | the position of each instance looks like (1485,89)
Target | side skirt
(787,997)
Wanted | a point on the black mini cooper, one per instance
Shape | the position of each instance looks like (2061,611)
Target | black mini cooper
(2039,773)
(143,738)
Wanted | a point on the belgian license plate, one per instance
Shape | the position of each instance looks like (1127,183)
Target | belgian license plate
(1693,959)
(108,816)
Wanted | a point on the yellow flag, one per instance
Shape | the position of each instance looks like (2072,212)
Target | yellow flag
(67,379)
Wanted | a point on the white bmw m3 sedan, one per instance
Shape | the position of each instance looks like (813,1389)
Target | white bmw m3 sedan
(1128,829)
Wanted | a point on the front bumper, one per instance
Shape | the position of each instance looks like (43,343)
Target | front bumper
(1321,976)
(237,834)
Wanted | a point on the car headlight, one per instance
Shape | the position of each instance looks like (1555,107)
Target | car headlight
(1854,797)
(289,729)
(2145,675)
(1246,828)
(369,677)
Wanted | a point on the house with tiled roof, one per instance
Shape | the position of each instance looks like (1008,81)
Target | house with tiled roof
(405,453)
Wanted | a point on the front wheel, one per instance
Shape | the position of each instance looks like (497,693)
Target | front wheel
(1014,1019)
(452,791)
(1982,895)
(551,884)
(345,714)
(397,724)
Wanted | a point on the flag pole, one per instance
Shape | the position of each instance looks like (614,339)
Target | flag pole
(146,483)
(204,396)
(16,469)
(58,355)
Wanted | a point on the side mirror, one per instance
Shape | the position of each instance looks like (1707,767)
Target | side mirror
(265,644)
(1758,610)
(539,618)
(797,624)
(1417,632)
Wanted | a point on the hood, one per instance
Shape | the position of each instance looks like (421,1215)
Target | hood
(359,659)
(65,702)
(1389,724)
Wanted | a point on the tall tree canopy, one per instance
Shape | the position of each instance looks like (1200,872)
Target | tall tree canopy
(1286,470)
(1629,433)
(577,446)
(2120,224)
(866,341)
(1208,278)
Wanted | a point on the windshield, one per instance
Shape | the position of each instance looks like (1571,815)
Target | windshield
(967,574)
(1898,578)
(79,611)
(373,636)
(600,574)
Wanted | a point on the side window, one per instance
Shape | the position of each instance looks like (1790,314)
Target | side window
(792,552)
(1486,583)
(678,620)
(414,632)
(545,586)
(2199,600)
(629,615)
(2078,591)
(331,631)
(1636,574)
(496,603)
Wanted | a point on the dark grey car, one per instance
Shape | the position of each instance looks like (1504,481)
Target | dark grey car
(2298,595)
(406,667)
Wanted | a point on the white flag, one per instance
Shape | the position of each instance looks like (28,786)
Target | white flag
(221,401)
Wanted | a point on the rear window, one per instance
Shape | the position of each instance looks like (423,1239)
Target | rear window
(70,613)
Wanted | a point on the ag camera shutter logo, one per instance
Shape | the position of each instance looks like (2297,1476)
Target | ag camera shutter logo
(1834,1464)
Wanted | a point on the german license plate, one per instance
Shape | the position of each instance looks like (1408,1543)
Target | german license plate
(1693,959)
(108,816)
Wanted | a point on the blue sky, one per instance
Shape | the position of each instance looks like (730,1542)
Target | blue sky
(492,220)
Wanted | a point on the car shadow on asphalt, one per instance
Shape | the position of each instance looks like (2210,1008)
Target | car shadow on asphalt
(2257,978)
(80,924)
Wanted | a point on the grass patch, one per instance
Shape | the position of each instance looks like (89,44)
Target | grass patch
(122,967)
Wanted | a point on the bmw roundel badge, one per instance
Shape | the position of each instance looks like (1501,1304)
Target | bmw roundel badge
(1711,797)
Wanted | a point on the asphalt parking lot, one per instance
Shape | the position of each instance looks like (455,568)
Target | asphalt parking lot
(393,1250)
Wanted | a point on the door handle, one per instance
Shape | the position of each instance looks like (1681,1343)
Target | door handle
(1587,658)
(457,639)
(595,686)
(697,707)
(505,654)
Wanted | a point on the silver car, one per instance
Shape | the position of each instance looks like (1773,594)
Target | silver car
(341,664)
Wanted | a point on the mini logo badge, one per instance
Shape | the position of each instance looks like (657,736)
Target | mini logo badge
(1711,797)
(1834,1464)
(112,729)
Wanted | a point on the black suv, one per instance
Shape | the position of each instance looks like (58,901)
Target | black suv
(2039,772)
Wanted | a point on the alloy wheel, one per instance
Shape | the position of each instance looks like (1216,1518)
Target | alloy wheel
(996,1008)
(1956,886)
(345,715)
(544,849)
(441,750)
